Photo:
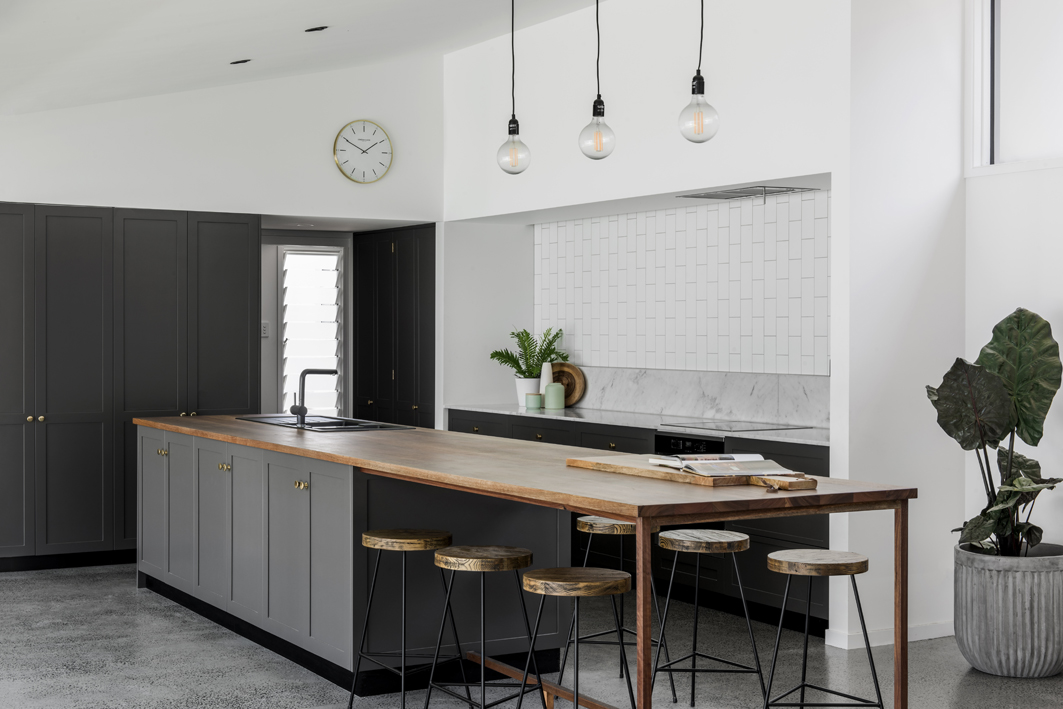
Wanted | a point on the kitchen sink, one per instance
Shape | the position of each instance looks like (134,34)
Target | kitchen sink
(323,423)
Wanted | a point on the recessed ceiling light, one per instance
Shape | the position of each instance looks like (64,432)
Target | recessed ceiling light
(317,29)
(240,61)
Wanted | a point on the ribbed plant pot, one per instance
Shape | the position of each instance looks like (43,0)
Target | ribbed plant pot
(1009,611)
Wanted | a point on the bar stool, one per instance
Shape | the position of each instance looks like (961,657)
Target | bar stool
(401,540)
(818,562)
(592,525)
(698,542)
(482,559)
(577,583)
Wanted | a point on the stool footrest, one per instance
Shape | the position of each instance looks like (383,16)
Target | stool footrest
(445,688)
(667,667)
(409,670)
(548,687)
(856,701)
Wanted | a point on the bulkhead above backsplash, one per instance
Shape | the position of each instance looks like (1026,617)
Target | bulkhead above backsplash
(741,286)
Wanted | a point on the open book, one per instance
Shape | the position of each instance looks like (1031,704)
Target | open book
(722,464)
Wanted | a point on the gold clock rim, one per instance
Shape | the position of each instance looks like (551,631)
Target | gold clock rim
(335,158)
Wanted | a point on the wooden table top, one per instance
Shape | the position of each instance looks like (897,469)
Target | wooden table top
(528,471)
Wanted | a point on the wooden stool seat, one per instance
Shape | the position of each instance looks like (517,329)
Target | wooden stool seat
(704,541)
(406,539)
(483,558)
(577,581)
(817,562)
(604,525)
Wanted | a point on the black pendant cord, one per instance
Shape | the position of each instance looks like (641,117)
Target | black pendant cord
(513,56)
(598,59)
(701,40)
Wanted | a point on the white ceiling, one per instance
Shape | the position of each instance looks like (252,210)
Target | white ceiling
(61,53)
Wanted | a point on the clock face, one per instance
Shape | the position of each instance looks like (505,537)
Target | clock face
(363,151)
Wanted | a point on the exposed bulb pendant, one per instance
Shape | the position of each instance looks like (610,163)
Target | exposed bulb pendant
(597,140)
(514,156)
(699,121)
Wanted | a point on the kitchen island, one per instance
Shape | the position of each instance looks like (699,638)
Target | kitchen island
(498,491)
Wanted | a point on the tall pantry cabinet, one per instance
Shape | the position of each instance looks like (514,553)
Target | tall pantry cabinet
(105,315)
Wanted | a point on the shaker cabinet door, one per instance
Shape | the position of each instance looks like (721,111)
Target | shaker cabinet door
(211,522)
(288,555)
(180,507)
(16,381)
(247,585)
(152,487)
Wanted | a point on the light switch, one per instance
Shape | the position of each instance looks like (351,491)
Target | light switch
(265,329)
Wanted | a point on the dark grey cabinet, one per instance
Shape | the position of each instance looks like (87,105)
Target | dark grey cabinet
(394,326)
(211,522)
(180,512)
(17,411)
(247,495)
(186,304)
(73,375)
(166,507)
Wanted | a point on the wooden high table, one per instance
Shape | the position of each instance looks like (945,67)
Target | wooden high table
(536,473)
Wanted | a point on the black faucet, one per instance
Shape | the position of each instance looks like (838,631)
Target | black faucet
(299,409)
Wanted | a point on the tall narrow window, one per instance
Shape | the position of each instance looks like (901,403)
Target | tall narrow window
(311,301)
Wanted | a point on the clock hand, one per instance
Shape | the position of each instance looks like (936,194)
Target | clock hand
(354,146)
(373,145)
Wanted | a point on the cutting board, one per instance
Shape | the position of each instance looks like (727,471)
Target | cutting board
(639,466)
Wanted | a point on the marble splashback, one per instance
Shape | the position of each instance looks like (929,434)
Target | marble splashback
(741,396)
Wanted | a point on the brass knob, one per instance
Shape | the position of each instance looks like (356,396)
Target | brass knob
(29,418)
(296,484)
(475,429)
(192,414)
(221,466)
(415,407)
(306,486)
(40,418)
(165,452)
(538,436)
(228,467)
(158,451)
(369,403)
(612,446)
(183,413)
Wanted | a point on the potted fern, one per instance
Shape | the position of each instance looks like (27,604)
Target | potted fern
(527,362)
(1008,584)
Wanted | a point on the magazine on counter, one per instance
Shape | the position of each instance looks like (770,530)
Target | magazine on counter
(722,464)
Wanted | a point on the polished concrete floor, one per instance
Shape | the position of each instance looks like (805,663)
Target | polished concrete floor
(79,638)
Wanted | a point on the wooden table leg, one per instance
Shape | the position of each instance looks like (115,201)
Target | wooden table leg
(900,606)
(643,568)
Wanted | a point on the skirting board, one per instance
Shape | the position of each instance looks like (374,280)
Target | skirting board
(852,641)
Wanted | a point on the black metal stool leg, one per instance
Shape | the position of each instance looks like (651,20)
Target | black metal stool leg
(575,661)
(778,637)
(694,644)
(457,641)
(528,630)
(402,643)
(804,658)
(572,623)
(531,654)
(439,640)
(664,621)
(365,627)
(623,654)
(483,642)
(867,643)
(661,641)
(749,624)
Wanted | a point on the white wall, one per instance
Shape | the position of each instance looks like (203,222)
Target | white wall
(485,295)
(777,72)
(1013,258)
(907,297)
(262,147)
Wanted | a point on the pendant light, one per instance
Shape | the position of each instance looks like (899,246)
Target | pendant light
(597,140)
(513,157)
(699,121)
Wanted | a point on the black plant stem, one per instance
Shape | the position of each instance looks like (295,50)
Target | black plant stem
(1011,455)
(985,481)
(989,471)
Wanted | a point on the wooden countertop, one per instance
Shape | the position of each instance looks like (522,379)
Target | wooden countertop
(529,471)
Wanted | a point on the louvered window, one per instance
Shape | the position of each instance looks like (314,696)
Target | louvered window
(312,326)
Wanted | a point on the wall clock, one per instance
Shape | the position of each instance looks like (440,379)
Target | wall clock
(362,151)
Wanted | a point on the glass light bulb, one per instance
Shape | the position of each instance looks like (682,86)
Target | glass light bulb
(597,140)
(699,121)
(514,156)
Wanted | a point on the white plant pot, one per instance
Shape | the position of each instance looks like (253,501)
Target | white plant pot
(526,386)
(547,377)
(1009,611)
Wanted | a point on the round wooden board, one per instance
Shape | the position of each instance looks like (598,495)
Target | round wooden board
(570,376)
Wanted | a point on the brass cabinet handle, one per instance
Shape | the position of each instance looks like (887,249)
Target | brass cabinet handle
(221,466)
(229,467)
(612,446)
(40,418)
(164,452)
(183,413)
(306,486)
(296,484)
(475,429)
(369,403)
(29,418)
(192,414)
(158,451)
(415,407)
(538,436)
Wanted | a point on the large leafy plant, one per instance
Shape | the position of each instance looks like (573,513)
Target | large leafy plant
(531,354)
(1006,393)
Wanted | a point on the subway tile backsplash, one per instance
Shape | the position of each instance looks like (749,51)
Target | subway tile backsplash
(738,286)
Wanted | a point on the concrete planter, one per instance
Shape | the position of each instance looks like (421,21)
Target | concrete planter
(1009,611)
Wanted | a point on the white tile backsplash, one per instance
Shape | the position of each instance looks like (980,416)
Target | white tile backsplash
(739,286)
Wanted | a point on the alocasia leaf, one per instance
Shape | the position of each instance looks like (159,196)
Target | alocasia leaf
(1024,354)
(972,404)
(977,529)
